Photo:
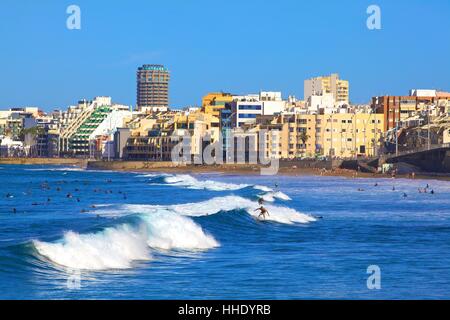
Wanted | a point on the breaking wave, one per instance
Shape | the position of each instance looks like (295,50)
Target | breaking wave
(278,214)
(271,196)
(187,181)
(119,247)
(190,182)
(113,248)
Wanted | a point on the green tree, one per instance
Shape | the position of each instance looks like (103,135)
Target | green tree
(304,137)
(33,132)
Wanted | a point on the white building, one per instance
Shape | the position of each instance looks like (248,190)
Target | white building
(422,93)
(325,103)
(245,109)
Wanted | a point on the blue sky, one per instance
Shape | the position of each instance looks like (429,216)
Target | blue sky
(236,46)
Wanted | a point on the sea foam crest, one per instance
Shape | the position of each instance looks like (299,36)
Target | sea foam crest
(113,248)
(190,182)
(278,214)
(187,181)
(171,231)
(117,248)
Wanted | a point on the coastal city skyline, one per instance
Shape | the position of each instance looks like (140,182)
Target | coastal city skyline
(324,125)
(377,62)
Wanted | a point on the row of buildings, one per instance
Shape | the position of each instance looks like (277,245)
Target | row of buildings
(323,124)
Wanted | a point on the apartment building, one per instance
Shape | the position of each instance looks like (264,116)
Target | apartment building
(342,135)
(152,88)
(398,109)
(245,109)
(214,102)
(331,84)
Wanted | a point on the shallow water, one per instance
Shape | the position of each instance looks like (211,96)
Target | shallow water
(110,235)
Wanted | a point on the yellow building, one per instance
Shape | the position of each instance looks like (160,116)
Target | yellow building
(213,102)
(331,84)
(345,135)
(348,135)
(296,135)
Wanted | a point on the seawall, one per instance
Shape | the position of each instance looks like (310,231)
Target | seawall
(44,161)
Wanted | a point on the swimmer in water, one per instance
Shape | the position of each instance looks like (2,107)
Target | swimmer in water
(263,212)
(260,201)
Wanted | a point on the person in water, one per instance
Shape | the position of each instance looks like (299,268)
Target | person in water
(263,212)
(260,201)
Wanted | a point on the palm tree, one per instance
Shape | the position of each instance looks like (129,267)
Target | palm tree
(304,137)
(29,136)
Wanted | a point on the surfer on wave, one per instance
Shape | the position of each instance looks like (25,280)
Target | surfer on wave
(263,212)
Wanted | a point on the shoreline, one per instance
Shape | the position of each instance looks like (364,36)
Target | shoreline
(225,169)
(43,161)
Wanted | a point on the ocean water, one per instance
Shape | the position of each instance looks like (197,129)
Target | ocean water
(78,234)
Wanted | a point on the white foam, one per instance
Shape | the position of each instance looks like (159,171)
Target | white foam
(117,248)
(262,188)
(187,181)
(170,231)
(113,248)
(271,196)
(209,207)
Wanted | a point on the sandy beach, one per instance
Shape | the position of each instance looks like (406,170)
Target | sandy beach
(226,169)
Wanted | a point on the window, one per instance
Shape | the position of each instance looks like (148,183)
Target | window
(250,107)
(247,116)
